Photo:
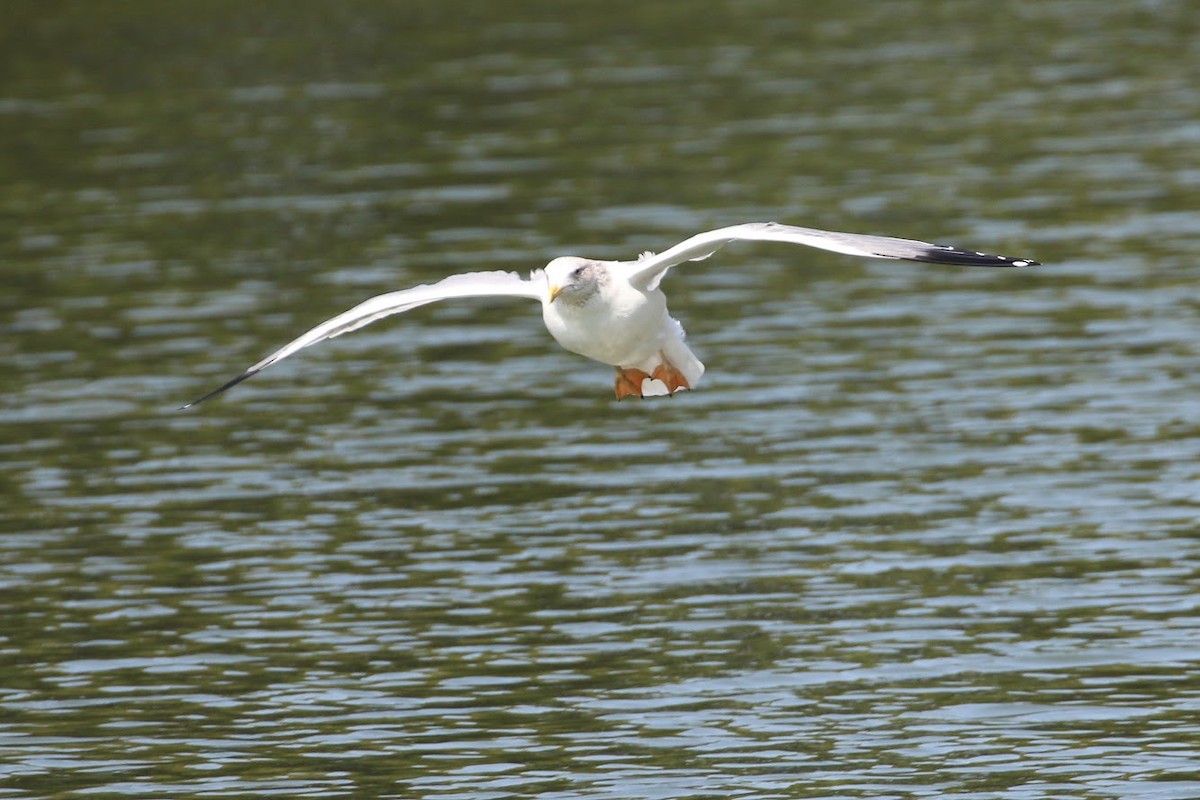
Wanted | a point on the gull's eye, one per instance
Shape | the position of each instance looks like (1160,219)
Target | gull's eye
(577,273)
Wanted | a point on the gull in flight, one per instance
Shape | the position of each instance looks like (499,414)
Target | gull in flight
(614,311)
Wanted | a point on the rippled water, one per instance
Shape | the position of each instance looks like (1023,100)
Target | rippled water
(921,532)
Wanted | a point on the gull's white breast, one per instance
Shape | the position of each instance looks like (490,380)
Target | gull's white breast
(620,326)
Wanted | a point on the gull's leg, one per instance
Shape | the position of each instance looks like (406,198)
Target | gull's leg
(672,377)
(629,382)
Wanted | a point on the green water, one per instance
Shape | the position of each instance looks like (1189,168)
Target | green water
(921,532)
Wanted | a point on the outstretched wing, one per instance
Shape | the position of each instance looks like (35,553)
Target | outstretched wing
(470,284)
(650,269)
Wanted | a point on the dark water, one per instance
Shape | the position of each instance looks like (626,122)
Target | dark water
(922,532)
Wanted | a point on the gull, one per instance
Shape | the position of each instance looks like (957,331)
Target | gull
(614,311)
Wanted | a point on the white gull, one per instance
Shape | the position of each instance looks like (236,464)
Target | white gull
(614,311)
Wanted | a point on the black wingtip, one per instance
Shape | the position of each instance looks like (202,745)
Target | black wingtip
(219,389)
(946,254)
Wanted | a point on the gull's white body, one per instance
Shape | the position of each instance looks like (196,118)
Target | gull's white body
(613,311)
(624,325)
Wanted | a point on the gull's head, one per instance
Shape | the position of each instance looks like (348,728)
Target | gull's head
(574,280)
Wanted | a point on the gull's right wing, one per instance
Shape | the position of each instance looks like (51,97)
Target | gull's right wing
(470,284)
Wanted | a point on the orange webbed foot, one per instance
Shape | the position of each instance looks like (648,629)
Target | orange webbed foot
(671,377)
(629,382)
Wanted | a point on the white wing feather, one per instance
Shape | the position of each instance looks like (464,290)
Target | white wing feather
(470,284)
(648,271)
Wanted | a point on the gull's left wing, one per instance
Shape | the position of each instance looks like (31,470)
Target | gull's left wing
(647,272)
(470,284)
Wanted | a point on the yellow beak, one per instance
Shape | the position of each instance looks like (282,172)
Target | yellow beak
(555,291)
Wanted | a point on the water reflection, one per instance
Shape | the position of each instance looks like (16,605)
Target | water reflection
(921,532)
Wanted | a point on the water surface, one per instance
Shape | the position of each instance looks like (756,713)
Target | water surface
(921,532)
